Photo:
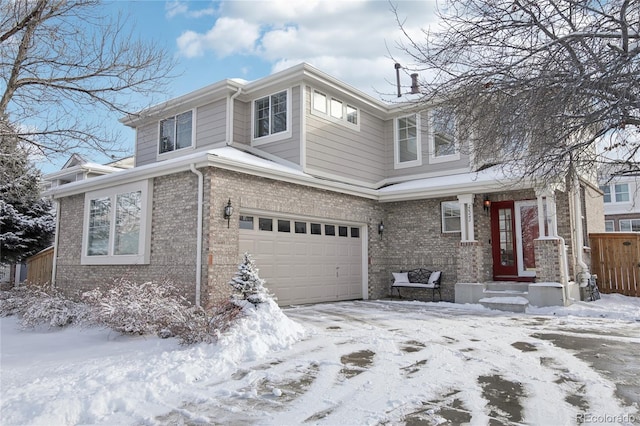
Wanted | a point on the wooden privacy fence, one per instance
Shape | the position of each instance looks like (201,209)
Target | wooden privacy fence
(615,259)
(40,266)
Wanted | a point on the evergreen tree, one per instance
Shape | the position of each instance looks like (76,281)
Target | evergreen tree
(27,222)
(247,284)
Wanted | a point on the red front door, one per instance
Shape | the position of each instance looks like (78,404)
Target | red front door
(503,241)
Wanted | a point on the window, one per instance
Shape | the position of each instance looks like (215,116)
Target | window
(301,227)
(176,132)
(606,190)
(342,231)
(622,192)
(270,115)
(115,225)
(284,225)
(407,141)
(629,225)
(334,109)
(316,229)
(355,232)
(246,222)
(608,226)
(320,102)
(442,142)
(265,224)
(329,230)
(450,216)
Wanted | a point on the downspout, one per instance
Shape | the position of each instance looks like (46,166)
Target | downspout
(199,233)
(230,111)
(577,217)
(56,238)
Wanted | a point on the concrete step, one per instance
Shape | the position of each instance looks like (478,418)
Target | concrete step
(507,286)
(506,303)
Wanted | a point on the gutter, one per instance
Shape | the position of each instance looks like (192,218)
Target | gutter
(230,111)
(579,242)
(198,233)
(56,237)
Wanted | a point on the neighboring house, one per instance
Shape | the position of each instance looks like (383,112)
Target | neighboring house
(329,189)
(77,168)
(621,203)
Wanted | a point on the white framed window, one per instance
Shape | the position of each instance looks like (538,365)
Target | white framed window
(442,141)
(176,133)
(271,117)
(606,193)
(450,216)
(335,110)
(629,225)
(609,226)
(116,222)
(407,151)
(622,192)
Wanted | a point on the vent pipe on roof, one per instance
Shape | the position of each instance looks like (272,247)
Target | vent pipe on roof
(398,66)
(414,84)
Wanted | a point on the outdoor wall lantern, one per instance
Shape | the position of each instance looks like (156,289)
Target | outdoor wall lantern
(380,228)
(486,204)
(228,211)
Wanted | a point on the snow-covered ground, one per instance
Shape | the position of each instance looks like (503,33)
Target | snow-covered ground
(355,363)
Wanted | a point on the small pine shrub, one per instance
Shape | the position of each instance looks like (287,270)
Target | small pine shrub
(247,284)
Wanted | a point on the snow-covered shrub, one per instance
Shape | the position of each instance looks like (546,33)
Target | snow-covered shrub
(41,304)
(204,326)
(132,308)
(247,284)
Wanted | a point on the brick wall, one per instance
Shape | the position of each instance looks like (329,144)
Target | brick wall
(173,241)
(548,260)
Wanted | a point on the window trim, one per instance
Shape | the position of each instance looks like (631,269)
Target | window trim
(433,159)
(442,217)
(630,221)
(144,239)
(612,223)
(180,151)
(396,143)
(271,137)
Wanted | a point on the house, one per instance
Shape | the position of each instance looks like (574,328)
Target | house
(621,203)
(330,190)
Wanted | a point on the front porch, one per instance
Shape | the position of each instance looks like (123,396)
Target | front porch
(515,296)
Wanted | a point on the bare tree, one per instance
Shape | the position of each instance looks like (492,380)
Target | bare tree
(63,62)
(539,83)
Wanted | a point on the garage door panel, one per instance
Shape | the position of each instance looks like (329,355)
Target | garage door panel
(306,268)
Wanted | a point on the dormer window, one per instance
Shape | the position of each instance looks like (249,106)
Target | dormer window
(176,132)
(270,115)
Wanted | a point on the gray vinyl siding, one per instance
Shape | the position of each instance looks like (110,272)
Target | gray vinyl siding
(426,166)
(146,144)
(343,151)
(242,122)
(288,149)
(211,121)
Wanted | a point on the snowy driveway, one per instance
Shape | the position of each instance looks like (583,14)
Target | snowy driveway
(362,362)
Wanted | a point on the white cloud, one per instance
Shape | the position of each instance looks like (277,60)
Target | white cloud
(176,7)
(228,36)
(351,40)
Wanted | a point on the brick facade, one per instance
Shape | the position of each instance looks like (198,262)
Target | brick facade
(412,236)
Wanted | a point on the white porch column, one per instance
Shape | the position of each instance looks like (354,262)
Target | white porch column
(466,217)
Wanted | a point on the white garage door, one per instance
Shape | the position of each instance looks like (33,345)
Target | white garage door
(305,261)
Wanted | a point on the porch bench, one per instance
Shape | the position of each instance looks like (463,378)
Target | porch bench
(418,278)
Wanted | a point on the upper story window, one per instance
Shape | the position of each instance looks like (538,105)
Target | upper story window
(620,193)
(271,115)
(334,109)
(407,141)
(115,225)
(176,132)
(442,142)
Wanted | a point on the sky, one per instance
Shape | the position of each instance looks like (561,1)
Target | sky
(355,41)
(349,363)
